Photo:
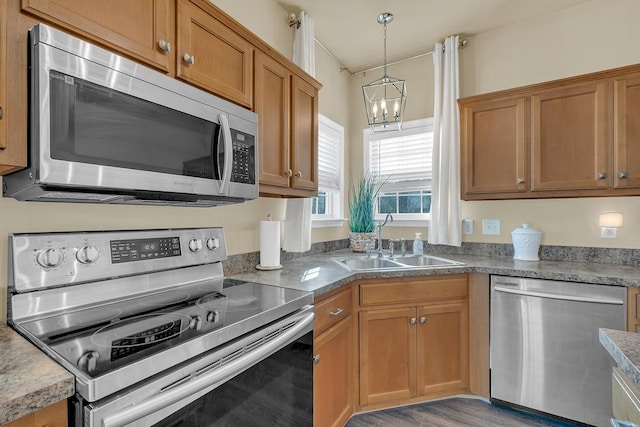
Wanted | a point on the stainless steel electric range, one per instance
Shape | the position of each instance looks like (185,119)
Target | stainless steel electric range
(155,334)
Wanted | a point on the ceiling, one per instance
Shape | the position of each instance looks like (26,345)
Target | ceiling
(349,30)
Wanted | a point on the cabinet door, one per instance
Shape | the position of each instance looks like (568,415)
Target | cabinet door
(493,146)
(387,355)
(134,28)
(443,349)
(3,74)
(213,56)
(304,136)
(52,416)
(272,85)
(569,138)
(333,375)
(626,132)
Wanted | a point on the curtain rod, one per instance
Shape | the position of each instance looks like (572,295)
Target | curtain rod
(462,43)
(335,58)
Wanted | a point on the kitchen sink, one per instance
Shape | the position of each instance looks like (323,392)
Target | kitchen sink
(397,263)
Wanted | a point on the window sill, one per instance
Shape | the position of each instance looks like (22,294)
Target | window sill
(407,223)
(325,223)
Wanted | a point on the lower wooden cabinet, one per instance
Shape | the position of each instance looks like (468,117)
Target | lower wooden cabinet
(413,351)
(333,375)
(334,362)
(52,416)
(625,397)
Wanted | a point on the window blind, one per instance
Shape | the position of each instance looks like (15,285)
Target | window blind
(329,157)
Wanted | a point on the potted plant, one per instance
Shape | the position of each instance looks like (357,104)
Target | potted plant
(362,222)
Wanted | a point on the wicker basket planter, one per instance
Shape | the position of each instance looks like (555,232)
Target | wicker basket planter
(358,241)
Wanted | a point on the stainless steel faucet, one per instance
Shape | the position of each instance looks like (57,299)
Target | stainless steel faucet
(380,225)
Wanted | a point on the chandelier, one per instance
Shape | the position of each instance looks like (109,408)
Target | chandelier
(384,99)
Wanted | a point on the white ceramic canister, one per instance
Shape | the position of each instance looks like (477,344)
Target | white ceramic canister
(526,243)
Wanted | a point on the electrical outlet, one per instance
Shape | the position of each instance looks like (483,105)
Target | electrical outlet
(491,227)
(467,226)
(608,232)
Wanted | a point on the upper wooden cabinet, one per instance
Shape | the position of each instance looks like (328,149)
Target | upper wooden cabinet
(287,107)
(574,137)
(493,150)
(213,56)
(569,137)
(141,29)
(626,128)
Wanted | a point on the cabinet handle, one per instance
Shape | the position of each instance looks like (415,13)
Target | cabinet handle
(412,321)
(316,359)
(189,59)
(521,181)
(288,173)
(423,320)
(299,174)
(621,175)
(1,113)
(602,175)
(164,45)
(338,312)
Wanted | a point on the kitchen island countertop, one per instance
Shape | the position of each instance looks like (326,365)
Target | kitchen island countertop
(29,380)
(624,347)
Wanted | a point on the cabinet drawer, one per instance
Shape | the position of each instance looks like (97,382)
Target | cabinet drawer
(332,310)
(413,290)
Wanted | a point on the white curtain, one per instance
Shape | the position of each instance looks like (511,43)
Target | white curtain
(297,222)
(303,45)
(445,225)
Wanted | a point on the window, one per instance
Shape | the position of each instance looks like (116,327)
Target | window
(403,160)
(326,210)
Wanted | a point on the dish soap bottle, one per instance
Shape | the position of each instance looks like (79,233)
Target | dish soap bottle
(418,249)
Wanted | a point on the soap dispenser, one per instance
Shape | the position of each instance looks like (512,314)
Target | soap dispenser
(418,248)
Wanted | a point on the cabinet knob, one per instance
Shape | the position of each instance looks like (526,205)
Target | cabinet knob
(521,181)
(412,321)
(288,173)
(423,320)
(602,175)
(338,312)
(316,359)
(299,174)
(621,175)
(164,45)
(189,59)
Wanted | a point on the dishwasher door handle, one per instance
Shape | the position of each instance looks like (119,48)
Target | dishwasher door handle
(576,298)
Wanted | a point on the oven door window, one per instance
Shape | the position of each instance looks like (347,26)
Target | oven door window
(97,125)
(278,391)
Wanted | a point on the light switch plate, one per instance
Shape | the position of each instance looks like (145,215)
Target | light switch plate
(491,227)
(467,226)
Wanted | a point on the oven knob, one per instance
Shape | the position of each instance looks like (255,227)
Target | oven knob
(196,323)
(49,258)
(87,254)
(195,245)
(213,243)
(211,316)
(89,361)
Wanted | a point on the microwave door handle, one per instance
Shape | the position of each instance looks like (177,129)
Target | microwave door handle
(225,179)
(216,376)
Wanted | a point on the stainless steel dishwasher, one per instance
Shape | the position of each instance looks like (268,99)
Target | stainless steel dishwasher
(545,352)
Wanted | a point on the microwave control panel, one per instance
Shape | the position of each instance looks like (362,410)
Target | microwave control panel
(244,157)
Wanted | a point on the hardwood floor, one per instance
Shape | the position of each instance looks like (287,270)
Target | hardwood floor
(452,412)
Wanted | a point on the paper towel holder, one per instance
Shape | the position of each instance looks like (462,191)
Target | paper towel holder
(267,268)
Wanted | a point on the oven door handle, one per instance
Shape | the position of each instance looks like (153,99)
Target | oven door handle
(199,383)
(225,179)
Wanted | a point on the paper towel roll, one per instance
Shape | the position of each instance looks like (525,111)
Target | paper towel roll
(269,244)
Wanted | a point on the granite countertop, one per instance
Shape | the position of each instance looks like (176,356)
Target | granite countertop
(624,347)
(320,274)
(29,379)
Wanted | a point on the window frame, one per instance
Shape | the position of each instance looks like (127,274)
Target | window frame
(335,197)
(408,128)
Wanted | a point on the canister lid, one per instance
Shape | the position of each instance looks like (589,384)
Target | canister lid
(525,229)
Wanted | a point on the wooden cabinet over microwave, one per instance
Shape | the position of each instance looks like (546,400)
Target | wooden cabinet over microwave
(579,137)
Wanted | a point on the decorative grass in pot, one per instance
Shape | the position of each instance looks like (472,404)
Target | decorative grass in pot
(361,213)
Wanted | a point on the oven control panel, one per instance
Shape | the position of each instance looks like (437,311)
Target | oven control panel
(42,260)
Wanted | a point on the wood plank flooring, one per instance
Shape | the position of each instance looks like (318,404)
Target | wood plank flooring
(452,412)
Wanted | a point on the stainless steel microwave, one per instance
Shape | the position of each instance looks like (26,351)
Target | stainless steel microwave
(104,129)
